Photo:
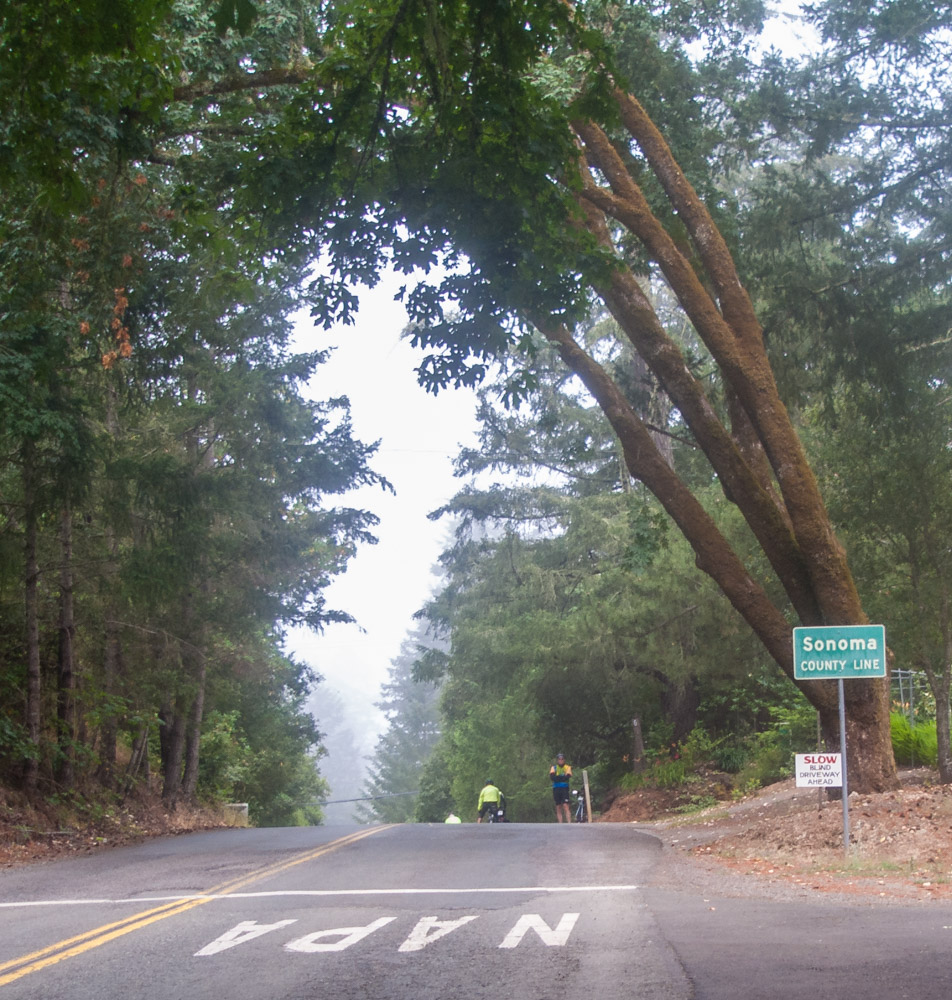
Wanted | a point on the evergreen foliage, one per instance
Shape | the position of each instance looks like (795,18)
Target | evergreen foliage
(166,484)
(411,707)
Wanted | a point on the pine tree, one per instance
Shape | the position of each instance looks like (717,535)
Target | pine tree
(413,729)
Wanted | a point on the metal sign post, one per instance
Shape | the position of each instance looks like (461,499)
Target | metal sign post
(825,652)
(846,787)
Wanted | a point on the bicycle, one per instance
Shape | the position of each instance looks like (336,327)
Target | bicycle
(494,812)
(581,816)
(497,814)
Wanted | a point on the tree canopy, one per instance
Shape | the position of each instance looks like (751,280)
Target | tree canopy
(167,486)
(762,230)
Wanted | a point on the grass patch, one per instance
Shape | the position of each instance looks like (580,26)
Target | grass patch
(696,804)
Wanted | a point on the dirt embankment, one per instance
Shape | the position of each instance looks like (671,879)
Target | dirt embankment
(785,838)
(32,834)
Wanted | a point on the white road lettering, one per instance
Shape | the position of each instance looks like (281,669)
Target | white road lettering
(533,922)
(430,929)
(247,930)
(426,931)
(348,936)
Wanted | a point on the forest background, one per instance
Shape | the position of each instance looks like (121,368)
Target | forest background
(682,359)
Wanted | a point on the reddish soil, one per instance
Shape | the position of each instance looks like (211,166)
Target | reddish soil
(29,835)
(785,838)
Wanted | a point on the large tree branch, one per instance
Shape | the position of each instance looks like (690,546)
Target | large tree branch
(711,247)
(238,84)
(746,368)
(713,554)
(635,315)
(626,202)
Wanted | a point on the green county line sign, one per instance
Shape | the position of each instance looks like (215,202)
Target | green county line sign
(832,651)
(836,652)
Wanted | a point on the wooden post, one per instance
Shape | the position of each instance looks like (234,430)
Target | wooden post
(588,797)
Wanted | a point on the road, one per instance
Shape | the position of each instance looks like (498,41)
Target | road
(535,912)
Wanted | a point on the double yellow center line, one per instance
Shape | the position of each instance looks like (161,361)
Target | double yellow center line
(16,968)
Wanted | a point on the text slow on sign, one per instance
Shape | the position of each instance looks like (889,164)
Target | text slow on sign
(819,770)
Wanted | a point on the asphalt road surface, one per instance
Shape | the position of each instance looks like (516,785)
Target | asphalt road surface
(531,912)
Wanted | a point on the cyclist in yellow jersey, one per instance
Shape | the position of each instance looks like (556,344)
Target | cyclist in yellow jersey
(489,798)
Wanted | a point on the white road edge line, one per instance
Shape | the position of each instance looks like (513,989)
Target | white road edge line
(324,892)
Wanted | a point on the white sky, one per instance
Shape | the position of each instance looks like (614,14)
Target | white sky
(420,435)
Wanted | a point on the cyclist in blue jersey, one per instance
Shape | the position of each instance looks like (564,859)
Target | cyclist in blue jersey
(561,775)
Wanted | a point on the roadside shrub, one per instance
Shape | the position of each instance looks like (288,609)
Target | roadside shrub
(661,773)
(435,801)
(697,749)
(224,757)
(631,781)
(668,773)
(913,745)
(731,757)
(793,726)
(697,803)
(769,758)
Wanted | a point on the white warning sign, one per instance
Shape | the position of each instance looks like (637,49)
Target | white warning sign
(819,770)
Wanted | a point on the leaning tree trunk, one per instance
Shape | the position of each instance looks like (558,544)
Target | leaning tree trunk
(759,460)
